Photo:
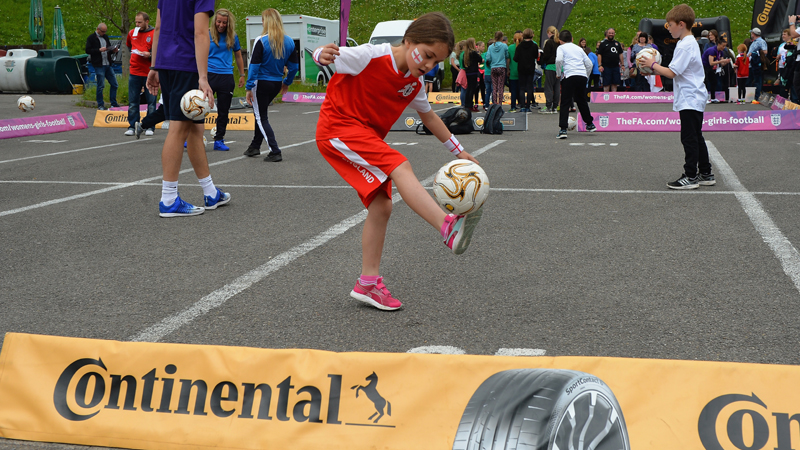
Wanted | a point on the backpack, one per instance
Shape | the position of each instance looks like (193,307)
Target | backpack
(491,121)
(458,120)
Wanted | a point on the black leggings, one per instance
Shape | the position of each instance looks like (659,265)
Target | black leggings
(264,92)
(741,83)
(222,85)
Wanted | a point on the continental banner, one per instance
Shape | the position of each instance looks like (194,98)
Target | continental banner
(177,396)
(455,97)
(119,119)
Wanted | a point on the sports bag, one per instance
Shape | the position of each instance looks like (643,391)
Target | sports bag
(458,120)
(491,121)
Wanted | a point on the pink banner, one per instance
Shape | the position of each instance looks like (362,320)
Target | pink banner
(779,103)
(36,125)
(303,97)
(712,121)
(638,97)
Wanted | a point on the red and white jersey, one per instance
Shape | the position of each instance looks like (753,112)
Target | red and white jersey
(367,91)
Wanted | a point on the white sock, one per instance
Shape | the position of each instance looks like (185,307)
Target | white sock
(169,192)
(208,186)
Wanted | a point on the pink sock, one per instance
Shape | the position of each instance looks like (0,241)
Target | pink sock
(448,223)
(369,280)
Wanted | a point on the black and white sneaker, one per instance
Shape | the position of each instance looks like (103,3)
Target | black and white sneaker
(590,127)
(684,182)
(562,134)
(706,179)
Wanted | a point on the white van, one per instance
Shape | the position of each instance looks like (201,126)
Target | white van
(392,32)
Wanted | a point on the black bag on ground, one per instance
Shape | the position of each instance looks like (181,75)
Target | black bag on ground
(491,121)
(458,120)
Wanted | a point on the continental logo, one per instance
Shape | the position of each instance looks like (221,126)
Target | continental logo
(747,424)
(87,388)
(763,16)
(114,117)
(233,119)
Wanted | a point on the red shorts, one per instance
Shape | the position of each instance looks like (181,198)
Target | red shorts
(364,161)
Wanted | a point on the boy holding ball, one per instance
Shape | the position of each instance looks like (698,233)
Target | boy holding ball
(686,69)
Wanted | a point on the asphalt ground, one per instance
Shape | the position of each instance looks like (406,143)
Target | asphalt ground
(582,249)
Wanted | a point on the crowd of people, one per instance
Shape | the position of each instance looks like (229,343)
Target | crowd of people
(481,71)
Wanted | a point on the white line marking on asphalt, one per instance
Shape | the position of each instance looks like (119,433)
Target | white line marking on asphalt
(121,186)
(520,352)
(223,294)
(786,253)
(76,150)
(44,141)
(309,112)
(494,189)
(438,349)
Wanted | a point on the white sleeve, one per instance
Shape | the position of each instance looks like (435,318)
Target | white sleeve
(352,60)
(420,102)
(559,61)
(588,64)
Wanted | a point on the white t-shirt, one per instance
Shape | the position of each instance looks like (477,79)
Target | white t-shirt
(572,61)
(688,84)
(782,55)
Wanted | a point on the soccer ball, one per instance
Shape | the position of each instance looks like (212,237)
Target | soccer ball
(195,105)
(214,132)
(571,123)
(26,103)
(651,52)
(461,187)
(205,141)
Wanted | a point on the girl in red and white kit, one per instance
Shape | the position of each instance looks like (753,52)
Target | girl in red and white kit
(372,86)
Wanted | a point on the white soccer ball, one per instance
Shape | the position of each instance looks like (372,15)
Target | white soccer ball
(572,123)
(26,103)
(195,105)
(205,141)
(461,186)
(651,52)
(214,132)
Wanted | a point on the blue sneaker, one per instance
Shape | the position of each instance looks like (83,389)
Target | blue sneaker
(218,200)
(179,208)
(220,145)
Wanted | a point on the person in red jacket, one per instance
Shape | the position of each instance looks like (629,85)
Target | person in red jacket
(140,43)
(742,72)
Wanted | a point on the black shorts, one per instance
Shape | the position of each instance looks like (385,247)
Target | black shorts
(175,83)
(611,75)
(430,78)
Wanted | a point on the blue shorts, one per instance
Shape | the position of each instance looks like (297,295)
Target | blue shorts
(175,83)
(611,75)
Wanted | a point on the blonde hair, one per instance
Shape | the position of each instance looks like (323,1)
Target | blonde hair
(517,38)
(273,29)
(554,30)
(470,44)
(230,34)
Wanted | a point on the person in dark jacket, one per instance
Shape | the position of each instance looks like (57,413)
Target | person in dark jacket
(101,55)
(552,84)
(525,55)
(472,61)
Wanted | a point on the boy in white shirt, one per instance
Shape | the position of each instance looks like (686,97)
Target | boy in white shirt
(574,68)
(686,69)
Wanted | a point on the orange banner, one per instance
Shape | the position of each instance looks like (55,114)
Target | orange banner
(119,119)
(177,396)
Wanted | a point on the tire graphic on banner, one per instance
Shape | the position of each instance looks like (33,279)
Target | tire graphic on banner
(542,409)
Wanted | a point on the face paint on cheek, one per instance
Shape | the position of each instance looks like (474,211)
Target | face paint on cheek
(416,56)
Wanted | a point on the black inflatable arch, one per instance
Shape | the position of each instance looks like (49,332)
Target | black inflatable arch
(666,44)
